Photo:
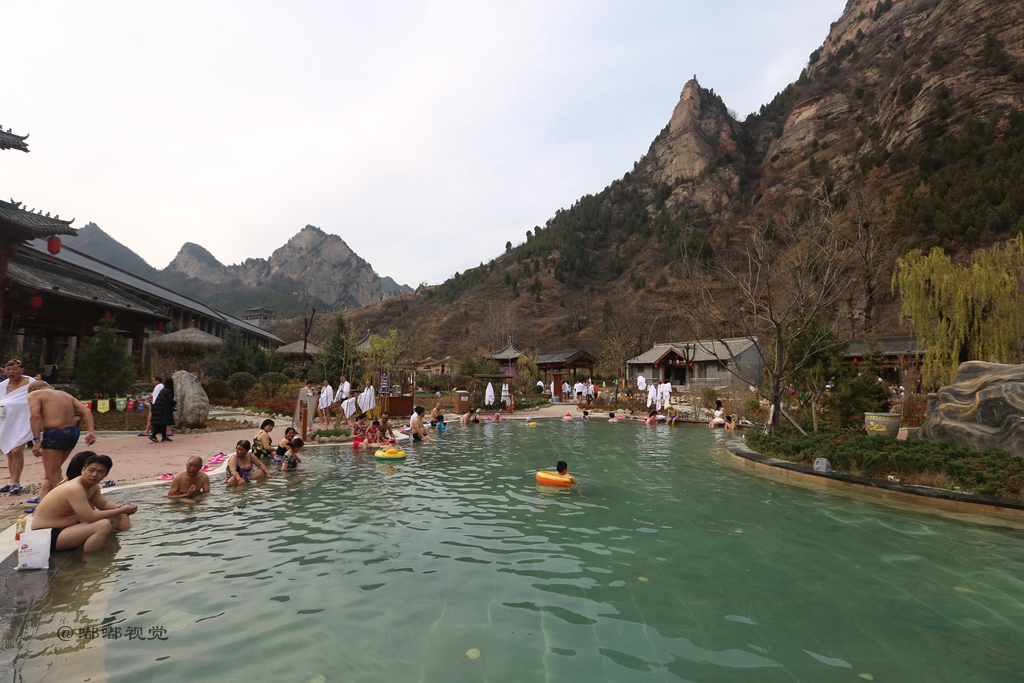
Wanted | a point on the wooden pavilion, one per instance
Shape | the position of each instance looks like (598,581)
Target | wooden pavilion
(562,364)
(507,359)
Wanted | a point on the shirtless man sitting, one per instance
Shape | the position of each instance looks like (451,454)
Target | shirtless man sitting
(417,430)
(77,512)
(193,482)
(53,416)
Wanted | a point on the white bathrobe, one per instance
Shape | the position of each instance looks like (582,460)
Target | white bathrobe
(652,395)
(641,382)
(664,395)
(367,400)
(326,397)
(489,394)
(16,427)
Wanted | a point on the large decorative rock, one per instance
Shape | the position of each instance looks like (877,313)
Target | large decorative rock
(982,408)
(192,404)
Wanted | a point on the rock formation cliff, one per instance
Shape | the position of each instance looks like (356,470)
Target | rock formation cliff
(915,105)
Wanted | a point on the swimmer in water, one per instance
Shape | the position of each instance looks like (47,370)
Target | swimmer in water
(563,470)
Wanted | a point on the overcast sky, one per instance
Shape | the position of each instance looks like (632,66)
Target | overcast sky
(426,134)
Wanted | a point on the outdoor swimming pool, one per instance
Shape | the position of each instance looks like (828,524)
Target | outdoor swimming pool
(662,565)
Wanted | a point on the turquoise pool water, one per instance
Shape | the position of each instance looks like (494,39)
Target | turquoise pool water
(662,565)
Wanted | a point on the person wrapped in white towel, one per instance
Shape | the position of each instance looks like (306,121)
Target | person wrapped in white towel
(326,401)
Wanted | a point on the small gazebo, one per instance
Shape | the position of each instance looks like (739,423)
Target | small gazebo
(295,350)
(507,358)
(185,349)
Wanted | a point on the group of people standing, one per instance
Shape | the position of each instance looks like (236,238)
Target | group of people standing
(34,415)
(321,403)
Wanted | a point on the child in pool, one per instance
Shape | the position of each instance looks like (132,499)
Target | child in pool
(497,417)
(612,418)
(243,467)
(563,470)
(372,435)
(291,459)
(586,416)
(282,445)
(359,431)
(652,419)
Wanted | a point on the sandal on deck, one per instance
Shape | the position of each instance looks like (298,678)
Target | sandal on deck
(15,489)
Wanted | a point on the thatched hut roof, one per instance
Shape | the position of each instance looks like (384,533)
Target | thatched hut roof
(187,341)
(295,349)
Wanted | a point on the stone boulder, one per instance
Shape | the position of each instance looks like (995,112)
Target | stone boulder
(192,404)
(982,408)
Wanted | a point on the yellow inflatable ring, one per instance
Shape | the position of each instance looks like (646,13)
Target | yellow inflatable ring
(531,424)
(549,478)
(389,454)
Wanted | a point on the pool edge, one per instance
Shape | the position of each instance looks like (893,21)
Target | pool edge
(949,504)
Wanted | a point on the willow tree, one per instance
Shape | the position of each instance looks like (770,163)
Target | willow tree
(961,312)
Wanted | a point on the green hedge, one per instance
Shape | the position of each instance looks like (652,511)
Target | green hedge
(990,473)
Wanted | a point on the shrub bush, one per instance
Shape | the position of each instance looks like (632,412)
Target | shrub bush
(241,383)
(991,473)
(278,406)
(218,390)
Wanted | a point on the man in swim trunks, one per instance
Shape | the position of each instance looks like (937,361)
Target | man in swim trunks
(53,417)
(193,482)
(417,430)
(387,432)
(79,516)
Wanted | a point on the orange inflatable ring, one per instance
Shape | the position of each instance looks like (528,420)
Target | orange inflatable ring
(549,478)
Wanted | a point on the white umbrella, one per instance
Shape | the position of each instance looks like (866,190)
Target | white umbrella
(489,395)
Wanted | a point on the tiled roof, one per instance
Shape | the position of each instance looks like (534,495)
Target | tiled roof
(555,357)
(889,346)
(9,140)
(508,353)
(37,274)
(78,261)
(32,224)
(698,351)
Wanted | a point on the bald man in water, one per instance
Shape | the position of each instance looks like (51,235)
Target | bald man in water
(193,482)
(56,427)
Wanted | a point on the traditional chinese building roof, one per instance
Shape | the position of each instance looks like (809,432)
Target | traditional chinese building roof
(509,353)
(53,280)
(9,140)
(566,358)
(20,224)
(701,351)
(887,346)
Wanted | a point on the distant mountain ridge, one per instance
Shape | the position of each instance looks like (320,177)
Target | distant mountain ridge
(312,267)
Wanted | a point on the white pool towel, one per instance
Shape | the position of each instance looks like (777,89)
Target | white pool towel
(349,406)
(489,394)
(367,400)
(16,427)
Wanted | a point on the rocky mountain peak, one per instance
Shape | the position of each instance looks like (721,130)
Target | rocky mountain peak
(197,262)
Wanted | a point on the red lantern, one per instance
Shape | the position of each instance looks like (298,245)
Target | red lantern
(53,246)
(160,326)
(35,303)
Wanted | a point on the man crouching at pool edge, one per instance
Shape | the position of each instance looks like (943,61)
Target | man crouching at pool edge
(78,514)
